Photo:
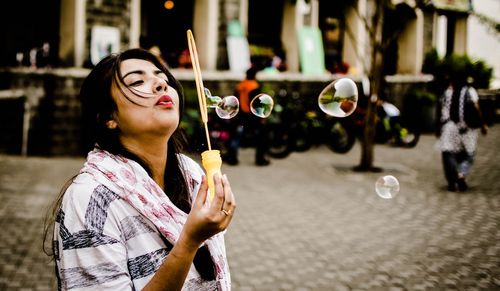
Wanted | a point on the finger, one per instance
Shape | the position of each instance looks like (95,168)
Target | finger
(218,199)
(201,197)
(229,202)
(228,193)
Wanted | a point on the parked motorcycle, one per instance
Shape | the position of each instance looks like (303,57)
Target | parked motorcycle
(292,128)
(296,126)
(394,128)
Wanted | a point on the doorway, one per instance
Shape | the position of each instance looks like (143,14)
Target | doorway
(26,27)
(164,25)
(264,31)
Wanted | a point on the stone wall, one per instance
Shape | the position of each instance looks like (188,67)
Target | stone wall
(115,13)
(54,126)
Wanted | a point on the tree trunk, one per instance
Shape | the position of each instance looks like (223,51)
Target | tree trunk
(376,76)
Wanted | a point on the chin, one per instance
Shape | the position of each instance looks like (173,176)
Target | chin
(168,130)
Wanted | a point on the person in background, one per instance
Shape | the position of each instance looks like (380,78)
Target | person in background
(271,65)
(246,124)
(136,216)
(185,59)
(457,134)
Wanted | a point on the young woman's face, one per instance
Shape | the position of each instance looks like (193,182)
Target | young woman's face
(147,104)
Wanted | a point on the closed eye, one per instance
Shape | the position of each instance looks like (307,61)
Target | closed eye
(161,74)
(136,83)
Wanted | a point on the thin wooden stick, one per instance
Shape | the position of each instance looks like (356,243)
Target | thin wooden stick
(199,85)
(197,75)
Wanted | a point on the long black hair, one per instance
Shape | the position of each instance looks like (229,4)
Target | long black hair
(98,106)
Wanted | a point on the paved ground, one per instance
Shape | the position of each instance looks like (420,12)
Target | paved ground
(308,222)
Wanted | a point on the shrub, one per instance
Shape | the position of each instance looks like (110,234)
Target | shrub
(456,67)
(421,97)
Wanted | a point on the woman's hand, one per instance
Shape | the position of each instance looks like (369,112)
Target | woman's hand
(204,221)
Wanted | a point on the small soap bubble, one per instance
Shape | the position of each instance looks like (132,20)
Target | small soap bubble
(262,105)
(212,101)
(225,108)
(228,107)
(387,187)
(339,98)
(207,92)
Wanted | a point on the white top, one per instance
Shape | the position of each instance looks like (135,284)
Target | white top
(103,243)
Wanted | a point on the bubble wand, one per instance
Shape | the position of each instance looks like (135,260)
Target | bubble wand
(210,159)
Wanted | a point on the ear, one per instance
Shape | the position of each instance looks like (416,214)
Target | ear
(111,124)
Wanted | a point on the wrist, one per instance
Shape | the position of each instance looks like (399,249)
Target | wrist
(186,244)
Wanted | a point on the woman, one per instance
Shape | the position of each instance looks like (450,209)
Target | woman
(458,136)
(136,217)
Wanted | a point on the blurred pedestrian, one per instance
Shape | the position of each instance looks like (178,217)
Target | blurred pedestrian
(137,217)
(459,117)
(246,125)
(185,60)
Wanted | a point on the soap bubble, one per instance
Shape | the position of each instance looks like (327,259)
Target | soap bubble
(228,107)
(262,105)
(212,101)
(339,98)
(387,187)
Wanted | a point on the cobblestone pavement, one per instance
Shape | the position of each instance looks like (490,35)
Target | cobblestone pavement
(308,222)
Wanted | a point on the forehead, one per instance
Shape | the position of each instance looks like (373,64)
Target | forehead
(136,65)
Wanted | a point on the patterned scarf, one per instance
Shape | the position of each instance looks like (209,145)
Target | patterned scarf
(132,183)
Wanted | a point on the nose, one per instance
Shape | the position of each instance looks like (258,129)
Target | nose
(159,85)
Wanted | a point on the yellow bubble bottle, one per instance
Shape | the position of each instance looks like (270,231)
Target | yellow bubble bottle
(212,163)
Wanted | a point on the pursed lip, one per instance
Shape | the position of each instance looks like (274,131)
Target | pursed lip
(165,101)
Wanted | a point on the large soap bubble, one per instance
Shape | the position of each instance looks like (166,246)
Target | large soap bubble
(262,105)
(228,107)
(339,98)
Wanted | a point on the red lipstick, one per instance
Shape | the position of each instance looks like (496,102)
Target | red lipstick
(165,101)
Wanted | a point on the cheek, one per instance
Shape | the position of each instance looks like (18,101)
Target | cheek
(131,119)
(173,93)
(177,101)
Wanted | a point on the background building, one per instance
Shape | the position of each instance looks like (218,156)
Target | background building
(47,49)
(71,28)
(483,42)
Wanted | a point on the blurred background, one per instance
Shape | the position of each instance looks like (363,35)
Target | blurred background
(299,46)
(307,221)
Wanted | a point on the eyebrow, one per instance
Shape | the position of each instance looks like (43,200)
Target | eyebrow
(133,72)
(142,72)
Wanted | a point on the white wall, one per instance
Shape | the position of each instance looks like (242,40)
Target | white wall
(482,43)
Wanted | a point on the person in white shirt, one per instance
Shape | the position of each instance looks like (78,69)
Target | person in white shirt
(137,216)
(457,133)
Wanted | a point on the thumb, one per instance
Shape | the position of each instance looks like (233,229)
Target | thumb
(201,197)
